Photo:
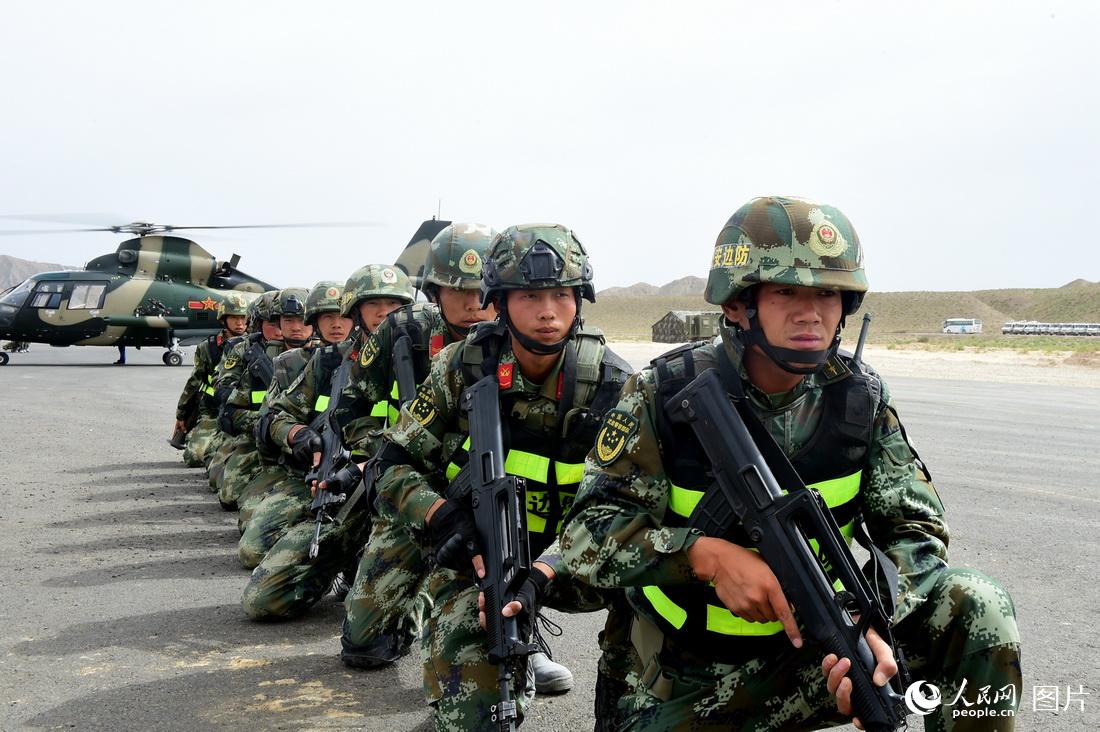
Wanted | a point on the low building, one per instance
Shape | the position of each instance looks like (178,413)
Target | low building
(684,326)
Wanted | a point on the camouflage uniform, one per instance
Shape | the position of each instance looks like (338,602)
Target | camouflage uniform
(427,448)
(287,581)
(226,377)
(241,410)
(703,667)
(274,497)
(200,386)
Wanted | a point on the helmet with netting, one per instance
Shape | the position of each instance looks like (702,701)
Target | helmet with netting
(535,256)
(376,280)
(325,297)
(262,307)
(788,241)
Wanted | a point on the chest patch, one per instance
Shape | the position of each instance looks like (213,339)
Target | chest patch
(369,353)
(423,407)
(618,427)
(230,363)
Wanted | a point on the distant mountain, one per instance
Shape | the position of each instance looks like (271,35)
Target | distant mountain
(684,287)
(14,270)
(1079,282)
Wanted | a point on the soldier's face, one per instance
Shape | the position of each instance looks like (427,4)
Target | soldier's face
(463,307)
(334,327)
(270,330)
(375,310)
(544,315)
(792,316)
(236,324)
(294,327)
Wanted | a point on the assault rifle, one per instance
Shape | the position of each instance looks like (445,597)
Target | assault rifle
(260,364)
(403,370)
(749,468)
(500,519)
(336,463)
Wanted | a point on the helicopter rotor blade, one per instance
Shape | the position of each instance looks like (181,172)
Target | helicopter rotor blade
(311,225)
(27,232)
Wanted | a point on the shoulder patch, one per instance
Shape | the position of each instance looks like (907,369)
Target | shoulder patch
(618,426)
(423,407)
(369,353)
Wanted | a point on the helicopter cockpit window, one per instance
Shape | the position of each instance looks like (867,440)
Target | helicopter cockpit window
(47,295)
(17,295)
(87,297)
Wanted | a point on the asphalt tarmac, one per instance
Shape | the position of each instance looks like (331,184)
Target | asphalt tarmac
(121,589)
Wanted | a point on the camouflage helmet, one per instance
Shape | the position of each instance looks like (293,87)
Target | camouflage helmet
(233,304)
(456,256)
(535,256)
(325,297)
(291,302)
(376,280)
(788,241)
(262,306)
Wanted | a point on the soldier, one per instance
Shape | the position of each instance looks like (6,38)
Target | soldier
(719,645)
(271,498)
(262,327)
(257,370)
(198,392)
(288,582)
(287,501)
(555,381)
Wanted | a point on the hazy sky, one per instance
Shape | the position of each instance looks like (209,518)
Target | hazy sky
(961,138)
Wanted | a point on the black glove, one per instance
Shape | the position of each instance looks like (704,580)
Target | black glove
(304,444)
(531,595)
(454,537)
(346,478)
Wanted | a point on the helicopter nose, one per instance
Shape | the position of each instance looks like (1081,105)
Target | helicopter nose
(7,318)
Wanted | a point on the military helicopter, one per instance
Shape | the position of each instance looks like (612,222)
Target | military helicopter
(155,290)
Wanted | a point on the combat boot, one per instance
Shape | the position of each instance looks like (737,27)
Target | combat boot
(379,653)
(550,677)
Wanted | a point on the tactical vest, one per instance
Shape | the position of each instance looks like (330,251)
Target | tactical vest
(330,359)
(550,456)
(255,352)
(215,349)
(831,462)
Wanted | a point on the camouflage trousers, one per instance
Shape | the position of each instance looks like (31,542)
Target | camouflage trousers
(199,440)
(225,446)
(274,500)
(241,467)
(963,639)
(287,582)
(389,594)
(459,681)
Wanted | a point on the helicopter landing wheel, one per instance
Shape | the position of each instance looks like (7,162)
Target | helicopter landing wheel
(3,359)
(171,358)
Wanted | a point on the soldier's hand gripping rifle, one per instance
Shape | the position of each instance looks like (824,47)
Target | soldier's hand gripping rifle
(500,519)
(747,491)
(336,468)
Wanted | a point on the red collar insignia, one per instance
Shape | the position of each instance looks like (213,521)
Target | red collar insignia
(435,345)
(504,375)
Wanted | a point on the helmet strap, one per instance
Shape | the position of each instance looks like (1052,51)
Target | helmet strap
(431,290)
(531,344)
(784,358)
